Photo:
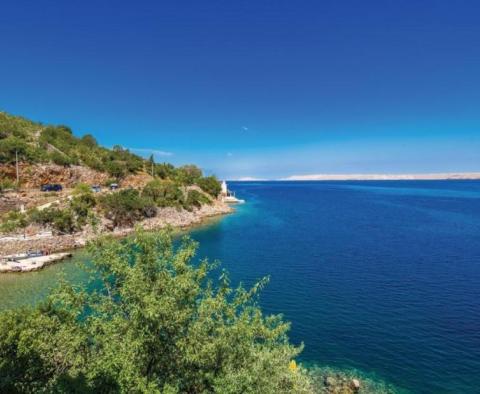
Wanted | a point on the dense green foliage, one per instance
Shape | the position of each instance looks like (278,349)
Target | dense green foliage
(82,205)
(210,185)
(63,221)
(127,206)
(164,171)
(36,143)
(12,145)
(188,174)
(195,199)
(156,324)
(13,221)
(6,184)
(164,193)
(17,126)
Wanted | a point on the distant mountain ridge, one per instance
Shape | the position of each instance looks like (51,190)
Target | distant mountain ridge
(383,177)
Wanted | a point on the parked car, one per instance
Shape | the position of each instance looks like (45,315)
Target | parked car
(113,186)
(96,189)
(51,187)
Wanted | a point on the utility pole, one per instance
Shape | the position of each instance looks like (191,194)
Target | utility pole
(16,167)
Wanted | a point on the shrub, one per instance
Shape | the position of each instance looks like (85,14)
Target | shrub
(14,220)
(64,221)
(81,188)
(43,217)
(60,220)
(158,323)
(188,174)
(12,145)
(163,193)
(210,185)
(82,205)
(6,184)
(116,169)
(195,199)
(61,159)
(89,141)
(125,207)
(165,170)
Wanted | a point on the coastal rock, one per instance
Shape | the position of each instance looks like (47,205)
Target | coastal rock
(33,176)
(330,381)
(355,385)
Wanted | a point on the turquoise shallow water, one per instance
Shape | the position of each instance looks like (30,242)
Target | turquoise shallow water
(379,276)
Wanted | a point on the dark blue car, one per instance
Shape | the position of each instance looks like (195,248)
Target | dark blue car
(55,187)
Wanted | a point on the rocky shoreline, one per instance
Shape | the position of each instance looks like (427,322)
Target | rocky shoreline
(166,217)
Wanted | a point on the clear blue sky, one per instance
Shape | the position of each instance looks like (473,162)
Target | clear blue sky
(255,88)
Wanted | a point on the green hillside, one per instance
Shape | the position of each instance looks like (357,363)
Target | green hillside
(38,143)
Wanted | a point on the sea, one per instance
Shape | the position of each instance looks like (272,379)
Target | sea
(378,277)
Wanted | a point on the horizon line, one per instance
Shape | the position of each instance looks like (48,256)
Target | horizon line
(366,177)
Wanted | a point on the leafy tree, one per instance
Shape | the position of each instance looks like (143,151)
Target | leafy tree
(188,174)
(61,220)
(163,193)
(210,185)
(165,171)
(61,159)
(151,165)
(64,221)
(156,323)
(116,169)
(125,207)
(11,145)
(82,205)
(195,199)
(89,140)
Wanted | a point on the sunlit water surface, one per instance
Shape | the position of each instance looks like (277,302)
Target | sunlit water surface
(379,276)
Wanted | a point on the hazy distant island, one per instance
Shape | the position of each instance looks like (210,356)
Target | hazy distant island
(384,177)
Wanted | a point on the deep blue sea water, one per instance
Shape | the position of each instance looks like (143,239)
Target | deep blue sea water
(383,277)
(379,276)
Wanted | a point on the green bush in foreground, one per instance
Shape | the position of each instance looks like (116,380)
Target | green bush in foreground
(157,323)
